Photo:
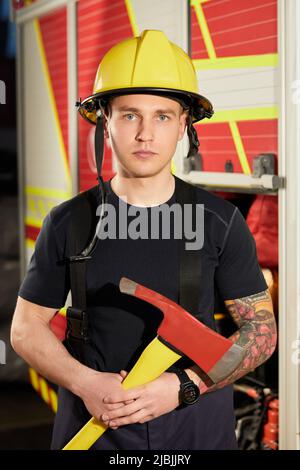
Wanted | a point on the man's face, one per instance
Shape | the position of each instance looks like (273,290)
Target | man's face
(143,131)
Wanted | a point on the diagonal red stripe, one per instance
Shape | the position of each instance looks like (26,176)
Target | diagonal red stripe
(54,35)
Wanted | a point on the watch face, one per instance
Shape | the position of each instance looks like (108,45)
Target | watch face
(190,394)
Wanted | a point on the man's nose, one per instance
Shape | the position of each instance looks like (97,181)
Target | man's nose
(145,131)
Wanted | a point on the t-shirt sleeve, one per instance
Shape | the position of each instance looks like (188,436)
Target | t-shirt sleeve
(46,282)
(238,273)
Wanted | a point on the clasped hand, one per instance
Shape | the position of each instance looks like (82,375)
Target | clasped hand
(143,403)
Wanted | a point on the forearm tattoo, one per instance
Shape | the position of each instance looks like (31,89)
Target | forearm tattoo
(257,332)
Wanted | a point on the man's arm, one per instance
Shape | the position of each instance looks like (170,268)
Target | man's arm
(33,340)
(256,334)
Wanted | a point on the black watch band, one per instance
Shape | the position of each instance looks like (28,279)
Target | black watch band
(182,375)
(189,392)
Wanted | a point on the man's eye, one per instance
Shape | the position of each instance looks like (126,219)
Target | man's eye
(163,117)
(129,117)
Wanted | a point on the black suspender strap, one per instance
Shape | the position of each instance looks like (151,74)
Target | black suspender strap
(190,260)
(81,230)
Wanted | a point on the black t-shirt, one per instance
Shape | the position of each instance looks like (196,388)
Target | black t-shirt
(122,325)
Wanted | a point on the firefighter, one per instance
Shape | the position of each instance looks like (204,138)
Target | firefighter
(145,97)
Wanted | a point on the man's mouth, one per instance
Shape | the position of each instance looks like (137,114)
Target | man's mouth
(144,153)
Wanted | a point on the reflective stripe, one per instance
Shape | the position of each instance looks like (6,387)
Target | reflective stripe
(132,19)
(239,147)
(44,390)
(34,222)
(47,192)
(242,114)
(34,379)
(53,399)
(30,243)
(53,103)
(246,61)
(205,31)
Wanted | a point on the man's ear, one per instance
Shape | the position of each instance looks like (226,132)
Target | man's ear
(105,127)
(183,123)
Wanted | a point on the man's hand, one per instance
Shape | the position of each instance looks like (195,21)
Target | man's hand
(98,385)
(146,402)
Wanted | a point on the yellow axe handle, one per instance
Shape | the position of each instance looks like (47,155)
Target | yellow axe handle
(153,361)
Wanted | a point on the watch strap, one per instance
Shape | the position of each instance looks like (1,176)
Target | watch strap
(182,375)
(185,382)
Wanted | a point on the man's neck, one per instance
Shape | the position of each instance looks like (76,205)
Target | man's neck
(144,192)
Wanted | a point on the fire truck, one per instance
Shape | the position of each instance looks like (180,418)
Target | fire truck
(246,54)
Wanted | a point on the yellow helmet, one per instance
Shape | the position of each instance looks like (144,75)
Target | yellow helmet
(149,63)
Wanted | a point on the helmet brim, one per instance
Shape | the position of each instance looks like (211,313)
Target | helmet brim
(200,107)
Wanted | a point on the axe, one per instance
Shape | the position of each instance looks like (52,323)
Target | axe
(179,334)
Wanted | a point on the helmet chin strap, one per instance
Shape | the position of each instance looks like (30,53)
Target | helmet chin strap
(193,138)
(99,145)
(99,151)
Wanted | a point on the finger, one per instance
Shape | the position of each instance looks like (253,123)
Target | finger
(123,395)
(134,418)
(113,406)
(122,411)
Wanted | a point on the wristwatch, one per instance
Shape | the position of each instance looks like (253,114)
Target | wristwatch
(189,392)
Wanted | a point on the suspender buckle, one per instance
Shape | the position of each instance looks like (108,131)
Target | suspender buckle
(77,324)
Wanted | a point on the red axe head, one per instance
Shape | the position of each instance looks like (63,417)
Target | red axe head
(215,355)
